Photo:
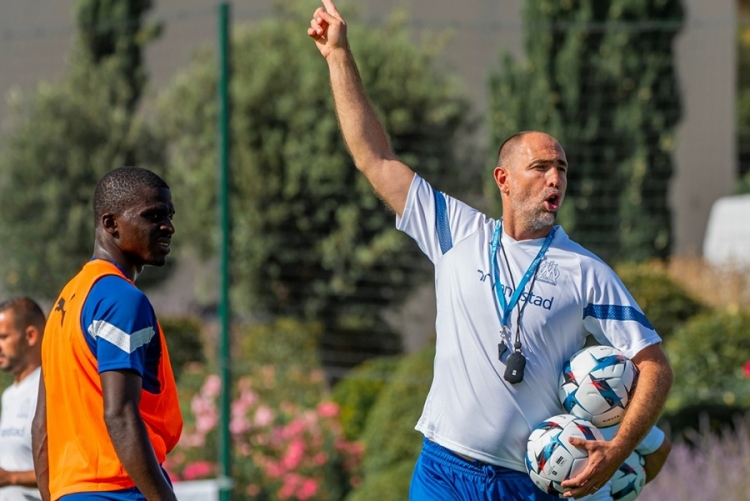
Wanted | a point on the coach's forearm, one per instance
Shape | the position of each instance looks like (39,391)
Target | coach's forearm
(654,382)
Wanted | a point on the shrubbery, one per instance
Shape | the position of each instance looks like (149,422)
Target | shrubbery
(184,340)
(286,436)
(391,443)
(358,392)
(709,356)
(667,305)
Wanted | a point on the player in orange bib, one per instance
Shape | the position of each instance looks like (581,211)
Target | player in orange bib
(107,411)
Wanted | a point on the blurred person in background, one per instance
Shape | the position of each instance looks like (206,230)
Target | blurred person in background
(515,299)
(107,411)
(21,330)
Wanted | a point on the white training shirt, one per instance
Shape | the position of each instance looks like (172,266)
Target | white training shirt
(19,406)
(470,408)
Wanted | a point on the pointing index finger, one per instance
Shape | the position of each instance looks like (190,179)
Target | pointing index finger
(328,4)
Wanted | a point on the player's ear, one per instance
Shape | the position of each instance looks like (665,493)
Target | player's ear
(109,223)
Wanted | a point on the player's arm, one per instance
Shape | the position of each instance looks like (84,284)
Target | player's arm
(39,441)
(122,396)
(363,133)
(21,478)
(654,382)
(656,459)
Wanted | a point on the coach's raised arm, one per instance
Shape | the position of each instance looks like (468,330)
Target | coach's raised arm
(363,133)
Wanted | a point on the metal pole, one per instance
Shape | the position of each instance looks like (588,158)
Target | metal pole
(225,456)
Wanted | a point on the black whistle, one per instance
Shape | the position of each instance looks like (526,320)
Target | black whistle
(514,367)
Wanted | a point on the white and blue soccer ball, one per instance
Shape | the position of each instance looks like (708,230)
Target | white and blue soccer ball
(551,458)
(629,479)
(596,384)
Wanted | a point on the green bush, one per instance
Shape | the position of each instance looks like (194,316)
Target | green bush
(183,335)
(358,391)
(285,431)
(391,443)
(666,304)
(709,354)
(390,484)
(285,351)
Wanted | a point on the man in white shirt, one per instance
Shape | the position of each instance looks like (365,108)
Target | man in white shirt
(21,329)
(515,299)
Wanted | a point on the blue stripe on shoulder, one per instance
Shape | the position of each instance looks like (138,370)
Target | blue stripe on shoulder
(441,222)
(616,312)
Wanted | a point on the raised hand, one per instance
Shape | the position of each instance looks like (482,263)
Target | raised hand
(327,28)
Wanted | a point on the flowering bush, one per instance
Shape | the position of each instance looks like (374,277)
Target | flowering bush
(283,451)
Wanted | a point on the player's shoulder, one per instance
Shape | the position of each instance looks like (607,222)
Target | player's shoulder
(113,293)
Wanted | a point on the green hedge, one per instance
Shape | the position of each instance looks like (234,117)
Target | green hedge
(358,391)
(391,443)
(667,305)
(708,356)
(184,340)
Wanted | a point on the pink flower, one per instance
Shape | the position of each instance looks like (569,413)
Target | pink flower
(746,369)
(294,429)
(198,469)
(211,386)
(253,490)
(308,489)
(320,459)
(294,454)
(291,482)
(263,416)
(328,409)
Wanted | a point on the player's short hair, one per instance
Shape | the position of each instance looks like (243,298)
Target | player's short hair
(508,148)
(26,312)
(119,188)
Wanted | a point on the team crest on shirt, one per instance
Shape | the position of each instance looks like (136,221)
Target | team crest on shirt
(548,272)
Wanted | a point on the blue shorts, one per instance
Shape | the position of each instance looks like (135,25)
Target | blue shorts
(132,494)
(441,475)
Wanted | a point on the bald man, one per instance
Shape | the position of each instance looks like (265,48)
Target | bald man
(21,329)
(515,299)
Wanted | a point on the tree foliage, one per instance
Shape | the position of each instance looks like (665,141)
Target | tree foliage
(599,75)
(64,137)
(309,236)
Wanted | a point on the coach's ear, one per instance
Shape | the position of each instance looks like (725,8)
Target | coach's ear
(501,179)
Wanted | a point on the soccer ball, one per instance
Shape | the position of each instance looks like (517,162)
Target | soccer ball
(551,458)
(629,479)
(596,384)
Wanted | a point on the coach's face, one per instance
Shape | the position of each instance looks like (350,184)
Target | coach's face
(13,344)
(144,229)
(537,180)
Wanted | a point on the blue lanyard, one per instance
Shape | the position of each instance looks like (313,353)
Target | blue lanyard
(507,307)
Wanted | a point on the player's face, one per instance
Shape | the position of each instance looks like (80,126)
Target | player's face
(145,228)
(13,344)
(538,180)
